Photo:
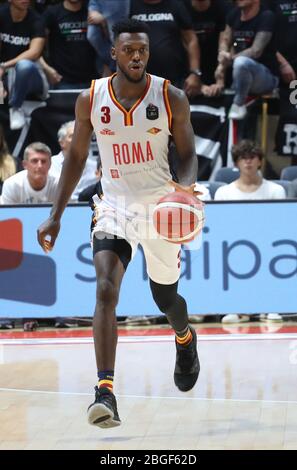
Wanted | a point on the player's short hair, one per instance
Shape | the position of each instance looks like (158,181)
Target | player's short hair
(129,26)
(62,132)
(37,147)
(246,147)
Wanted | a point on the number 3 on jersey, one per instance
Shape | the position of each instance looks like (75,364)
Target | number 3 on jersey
(105,116)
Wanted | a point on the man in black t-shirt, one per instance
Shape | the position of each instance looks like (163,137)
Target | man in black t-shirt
(209,21)
(174,50)
(21,43)
(71,58)
(249,45)
(286,37)
(286,42)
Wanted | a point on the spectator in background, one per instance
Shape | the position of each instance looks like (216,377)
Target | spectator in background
(7,162)
(22,39)
(209,21)
(65,134)
(286,41)
(250,185)
(33,185)
(71,59)
(286,37)
(40,5)
(249,45)
(103,14)
(174,49)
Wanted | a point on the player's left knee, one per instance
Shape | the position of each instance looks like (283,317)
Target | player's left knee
(164,295)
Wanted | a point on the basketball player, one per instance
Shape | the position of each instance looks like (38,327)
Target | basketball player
(134,115)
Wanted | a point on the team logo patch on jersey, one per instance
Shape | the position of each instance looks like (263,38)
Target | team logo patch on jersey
(107,132)
(152,112)
(154,130)
(114,173)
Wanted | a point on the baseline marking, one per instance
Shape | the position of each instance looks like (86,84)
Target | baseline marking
(151,339)
(154,397)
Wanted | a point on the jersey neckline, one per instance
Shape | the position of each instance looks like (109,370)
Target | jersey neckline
(128,115)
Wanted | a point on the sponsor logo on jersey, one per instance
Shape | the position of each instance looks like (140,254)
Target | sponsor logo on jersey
(107,132)
(154,130)
(131,154)
(152,112)
(114,173)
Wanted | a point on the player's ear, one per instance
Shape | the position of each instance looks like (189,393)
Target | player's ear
(113,53)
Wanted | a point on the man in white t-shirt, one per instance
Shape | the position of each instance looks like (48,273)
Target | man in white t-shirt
(88,177)
(250,185)
(242,189)
(33,185)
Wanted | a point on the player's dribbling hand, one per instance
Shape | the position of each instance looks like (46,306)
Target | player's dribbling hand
(186,189)
(47,234)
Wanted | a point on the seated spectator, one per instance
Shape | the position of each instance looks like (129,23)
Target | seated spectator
(22,39)
(65,134)
(249,45)
(71,58)
(209,21)
(40,5)
(286,40)
(286,37)
(103,14)
(174,49)
(250,185)
(7,162)
(34,184)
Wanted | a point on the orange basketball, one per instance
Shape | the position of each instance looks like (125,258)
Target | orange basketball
(179,217)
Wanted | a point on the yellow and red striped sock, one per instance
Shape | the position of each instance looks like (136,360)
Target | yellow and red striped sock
(184,338)
(106,379)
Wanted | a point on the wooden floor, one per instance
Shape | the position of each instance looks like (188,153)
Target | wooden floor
(246,396)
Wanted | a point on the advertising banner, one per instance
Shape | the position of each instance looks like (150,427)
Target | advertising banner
(247,263)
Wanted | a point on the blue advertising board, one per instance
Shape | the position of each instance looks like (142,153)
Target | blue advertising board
(247,263)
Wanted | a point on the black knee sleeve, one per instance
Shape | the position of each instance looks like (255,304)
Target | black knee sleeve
(164,295)
(171,303)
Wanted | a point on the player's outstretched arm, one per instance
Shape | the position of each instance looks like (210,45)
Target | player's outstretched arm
(183,136)
(72,169)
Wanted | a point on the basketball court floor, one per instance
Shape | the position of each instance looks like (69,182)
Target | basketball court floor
(245,397)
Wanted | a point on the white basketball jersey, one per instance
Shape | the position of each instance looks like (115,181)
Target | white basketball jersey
(133,145)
